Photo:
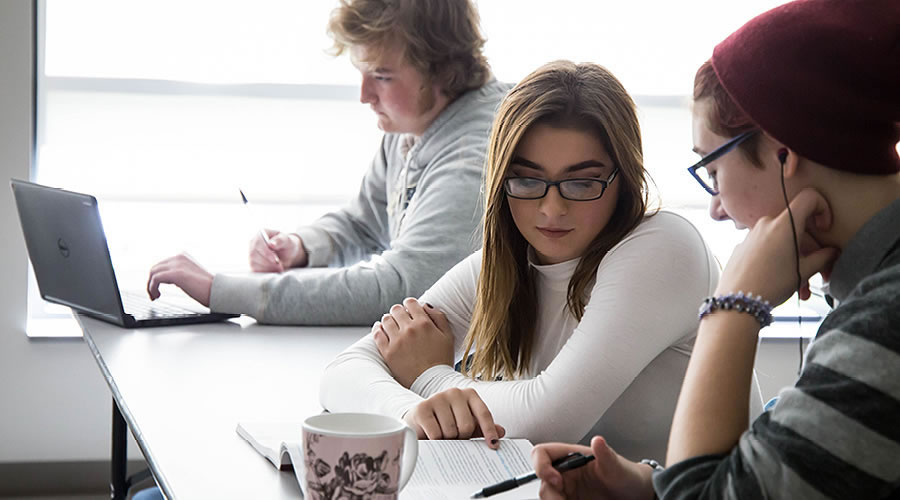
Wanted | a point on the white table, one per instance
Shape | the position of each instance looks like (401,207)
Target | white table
(182,391)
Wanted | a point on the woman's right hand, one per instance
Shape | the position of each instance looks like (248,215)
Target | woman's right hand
(412,339)
(454,414)
(608,476)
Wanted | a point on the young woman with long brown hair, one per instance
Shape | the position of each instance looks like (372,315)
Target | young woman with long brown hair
(577,316)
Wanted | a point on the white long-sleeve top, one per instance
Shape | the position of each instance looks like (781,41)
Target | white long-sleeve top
(617,372)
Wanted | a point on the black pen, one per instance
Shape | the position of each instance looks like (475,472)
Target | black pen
(262,231)
(562,464)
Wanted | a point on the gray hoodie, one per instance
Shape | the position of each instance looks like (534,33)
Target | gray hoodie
(418,212)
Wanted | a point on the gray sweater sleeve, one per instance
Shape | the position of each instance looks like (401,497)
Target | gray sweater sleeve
(354,233)
(438,230)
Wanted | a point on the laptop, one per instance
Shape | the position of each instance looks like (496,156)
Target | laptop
(70,257)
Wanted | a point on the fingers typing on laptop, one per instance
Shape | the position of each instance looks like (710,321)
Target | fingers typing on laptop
(185,273)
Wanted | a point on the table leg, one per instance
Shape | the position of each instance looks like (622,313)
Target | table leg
(118,481)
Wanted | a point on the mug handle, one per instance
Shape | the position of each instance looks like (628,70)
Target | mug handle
(410,454)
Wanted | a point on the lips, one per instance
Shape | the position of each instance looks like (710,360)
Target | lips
(554,232)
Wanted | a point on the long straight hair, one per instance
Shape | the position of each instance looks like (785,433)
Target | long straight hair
(561,94)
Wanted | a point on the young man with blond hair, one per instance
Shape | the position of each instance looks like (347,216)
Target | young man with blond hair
(418,210)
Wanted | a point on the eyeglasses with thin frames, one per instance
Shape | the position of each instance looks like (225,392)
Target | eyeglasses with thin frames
(710,185)
(582,189)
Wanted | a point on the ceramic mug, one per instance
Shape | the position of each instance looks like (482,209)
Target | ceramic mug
(356,455)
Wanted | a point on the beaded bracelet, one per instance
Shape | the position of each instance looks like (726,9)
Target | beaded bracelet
(652,463)
(756,306)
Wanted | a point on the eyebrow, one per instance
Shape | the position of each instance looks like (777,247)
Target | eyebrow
(378,69)
(518,160)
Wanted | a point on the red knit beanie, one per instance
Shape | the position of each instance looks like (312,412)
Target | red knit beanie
(822,77)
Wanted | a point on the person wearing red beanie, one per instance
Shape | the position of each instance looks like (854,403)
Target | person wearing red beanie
(797,119)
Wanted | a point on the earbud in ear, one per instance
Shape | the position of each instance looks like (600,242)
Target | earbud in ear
(782,155)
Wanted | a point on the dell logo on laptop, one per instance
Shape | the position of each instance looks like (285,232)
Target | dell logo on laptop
(63,247)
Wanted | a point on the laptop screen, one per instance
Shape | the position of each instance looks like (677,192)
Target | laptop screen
(67,247)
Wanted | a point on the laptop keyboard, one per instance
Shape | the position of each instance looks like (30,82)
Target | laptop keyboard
(141,307)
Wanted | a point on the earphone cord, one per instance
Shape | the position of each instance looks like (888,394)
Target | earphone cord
(797,266)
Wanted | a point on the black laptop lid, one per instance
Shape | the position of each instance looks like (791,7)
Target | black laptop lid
(68,249)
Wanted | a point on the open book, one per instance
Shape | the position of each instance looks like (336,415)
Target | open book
(451,469)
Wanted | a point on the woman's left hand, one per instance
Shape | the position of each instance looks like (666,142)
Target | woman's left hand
(764,263)
(412,339)
(455,414)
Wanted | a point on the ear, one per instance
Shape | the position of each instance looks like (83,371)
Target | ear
(791,161)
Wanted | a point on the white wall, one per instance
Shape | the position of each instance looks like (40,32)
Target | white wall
(55,404)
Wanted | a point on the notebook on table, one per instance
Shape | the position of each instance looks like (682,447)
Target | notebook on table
(68,251)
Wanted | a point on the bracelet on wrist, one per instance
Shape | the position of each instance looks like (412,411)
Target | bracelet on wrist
(653,464)
(755,306)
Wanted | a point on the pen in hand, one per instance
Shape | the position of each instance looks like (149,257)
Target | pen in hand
(562,464)
(262,231)
(264,235)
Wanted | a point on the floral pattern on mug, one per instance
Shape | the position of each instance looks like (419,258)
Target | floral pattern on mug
(360,477)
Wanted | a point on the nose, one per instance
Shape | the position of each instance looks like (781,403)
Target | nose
(366,94)
(553,204)
(716,211)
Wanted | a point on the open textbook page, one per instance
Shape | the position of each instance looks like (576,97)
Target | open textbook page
(452,469)
(455,469)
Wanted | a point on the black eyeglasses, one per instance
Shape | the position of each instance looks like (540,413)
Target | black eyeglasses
(532,188)
(711,185)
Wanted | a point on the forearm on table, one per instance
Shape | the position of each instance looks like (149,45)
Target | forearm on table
(358,380)
(320,296)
